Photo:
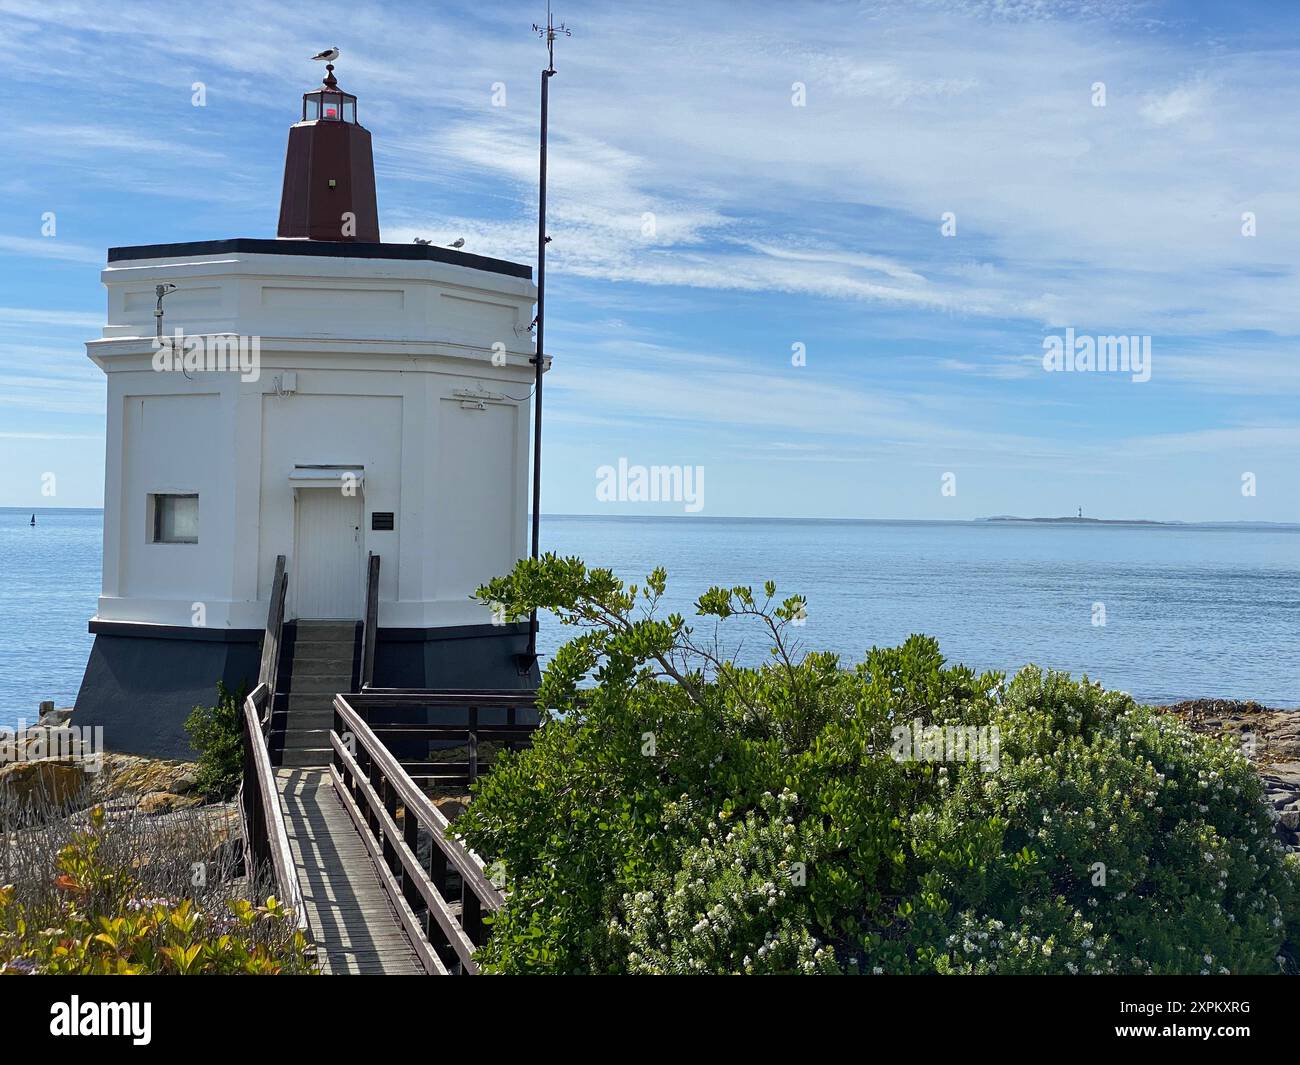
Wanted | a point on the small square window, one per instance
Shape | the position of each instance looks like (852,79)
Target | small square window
(175,519)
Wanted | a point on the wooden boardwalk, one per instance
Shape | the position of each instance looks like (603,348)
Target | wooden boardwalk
(352,921)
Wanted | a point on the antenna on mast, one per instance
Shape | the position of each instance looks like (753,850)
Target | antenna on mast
(528,660)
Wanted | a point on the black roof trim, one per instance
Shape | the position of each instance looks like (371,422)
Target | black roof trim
(335,249)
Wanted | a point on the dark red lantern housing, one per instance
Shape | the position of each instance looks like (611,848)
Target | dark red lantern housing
(329,171)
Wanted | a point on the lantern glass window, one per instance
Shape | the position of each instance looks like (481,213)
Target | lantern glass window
(324,105)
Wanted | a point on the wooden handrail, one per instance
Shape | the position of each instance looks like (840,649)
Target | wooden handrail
(271,640)
(372,785)
(467,863)
(404,715)
(481,697)
(265,836)
(371,629)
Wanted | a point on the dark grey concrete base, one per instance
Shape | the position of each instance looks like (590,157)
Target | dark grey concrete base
(468,656)
(141,687)
(142,681)
(462,656)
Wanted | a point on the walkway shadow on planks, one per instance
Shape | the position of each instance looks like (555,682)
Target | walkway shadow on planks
(352,921)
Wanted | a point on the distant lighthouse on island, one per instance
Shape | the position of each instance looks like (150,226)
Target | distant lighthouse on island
(324,397)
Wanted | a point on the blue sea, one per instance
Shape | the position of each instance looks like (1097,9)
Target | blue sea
(1191,611)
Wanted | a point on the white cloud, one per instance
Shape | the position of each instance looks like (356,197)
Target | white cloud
(1174,106)
(1126,216)
(51,248)
(51,436)
(1269,439)
(826,416)
(44,316)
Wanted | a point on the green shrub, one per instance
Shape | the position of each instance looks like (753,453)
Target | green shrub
(679,813)
(216,735)
(99,919)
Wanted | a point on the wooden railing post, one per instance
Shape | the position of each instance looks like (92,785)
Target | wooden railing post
(438,868)
(473,744)
(371,629)
(389,796)
(367,767)
(411,837)
(274,622)
(471,915)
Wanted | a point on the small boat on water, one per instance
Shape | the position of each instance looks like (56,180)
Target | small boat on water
(33,521)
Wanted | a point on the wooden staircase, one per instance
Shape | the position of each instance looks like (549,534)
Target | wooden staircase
(320,658)
(359,852)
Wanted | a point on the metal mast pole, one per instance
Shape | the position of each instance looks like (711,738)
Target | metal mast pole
(549,33)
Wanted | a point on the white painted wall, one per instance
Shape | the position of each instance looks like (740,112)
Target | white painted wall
(380,349)
(332,421)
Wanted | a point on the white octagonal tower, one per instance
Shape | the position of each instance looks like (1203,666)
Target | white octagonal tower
(323,400)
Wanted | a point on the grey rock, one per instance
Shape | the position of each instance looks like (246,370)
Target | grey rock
(55,718)
(183,784)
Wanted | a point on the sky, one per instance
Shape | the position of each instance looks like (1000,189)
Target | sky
(814,250)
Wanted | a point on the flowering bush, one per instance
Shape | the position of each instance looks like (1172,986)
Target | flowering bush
(736,887)
(680,813)
(102,922)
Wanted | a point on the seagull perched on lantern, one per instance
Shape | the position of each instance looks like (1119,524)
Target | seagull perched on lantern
(329,55)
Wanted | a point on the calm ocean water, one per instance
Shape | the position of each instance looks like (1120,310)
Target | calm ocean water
(1191,611)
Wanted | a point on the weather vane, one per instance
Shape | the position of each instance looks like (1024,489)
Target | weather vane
(549,32)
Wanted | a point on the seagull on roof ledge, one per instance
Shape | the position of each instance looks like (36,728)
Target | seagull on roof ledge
(329,55)
(459,242)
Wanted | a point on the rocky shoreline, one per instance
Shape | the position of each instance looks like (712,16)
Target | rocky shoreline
(58,762)
(1270,739)
(118,782)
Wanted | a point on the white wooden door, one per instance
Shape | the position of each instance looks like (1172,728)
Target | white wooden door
(326,570)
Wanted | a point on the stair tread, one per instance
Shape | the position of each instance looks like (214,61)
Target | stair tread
(318,685)
(302,719)
(310,704)
(303,756)
(315,739)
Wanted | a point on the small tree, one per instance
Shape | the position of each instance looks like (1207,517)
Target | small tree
(216,735)
(678,812)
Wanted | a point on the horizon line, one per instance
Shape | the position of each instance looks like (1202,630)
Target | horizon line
(990,519)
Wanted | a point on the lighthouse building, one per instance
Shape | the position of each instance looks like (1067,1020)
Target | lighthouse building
(321,396)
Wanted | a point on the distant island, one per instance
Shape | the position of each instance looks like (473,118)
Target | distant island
(1079,520)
